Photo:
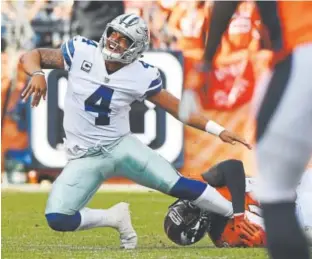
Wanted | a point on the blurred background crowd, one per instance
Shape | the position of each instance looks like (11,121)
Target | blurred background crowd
(175,26)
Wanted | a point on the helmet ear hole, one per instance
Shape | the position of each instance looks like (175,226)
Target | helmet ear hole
(110,30)
(130,41)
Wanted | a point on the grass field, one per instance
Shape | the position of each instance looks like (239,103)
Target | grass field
(26,235)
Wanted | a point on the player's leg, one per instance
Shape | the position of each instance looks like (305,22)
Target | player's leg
(141,164)
(284,148)
(76,185)
(303,204)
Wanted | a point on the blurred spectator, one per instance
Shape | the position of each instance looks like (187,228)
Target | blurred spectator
(242,36)
(188,23)
(31,22)
(14,23)
(161,37)
(13,130)
(137,7)
(52,23)
(234,76)
(7,10)
(89,18)
(3,44)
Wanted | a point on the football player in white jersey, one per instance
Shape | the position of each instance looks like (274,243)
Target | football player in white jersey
(103,80)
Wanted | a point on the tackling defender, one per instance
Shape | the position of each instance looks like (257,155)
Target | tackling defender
(229,179)
(104,79)
(284,121)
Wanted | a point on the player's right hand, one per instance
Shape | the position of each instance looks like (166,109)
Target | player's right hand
(37,87)
(231,138)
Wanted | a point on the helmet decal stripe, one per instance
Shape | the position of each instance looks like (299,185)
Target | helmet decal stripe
(129,20)
(124,18)
(133,21)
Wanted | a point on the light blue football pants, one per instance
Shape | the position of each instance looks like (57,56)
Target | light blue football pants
(127,157)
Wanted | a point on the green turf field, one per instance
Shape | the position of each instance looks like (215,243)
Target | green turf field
(26,235)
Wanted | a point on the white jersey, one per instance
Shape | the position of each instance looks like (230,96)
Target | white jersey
(97,104)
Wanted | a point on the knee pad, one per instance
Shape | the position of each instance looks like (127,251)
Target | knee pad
(187,189)
(63,222)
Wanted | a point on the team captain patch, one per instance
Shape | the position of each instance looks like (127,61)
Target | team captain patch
(86,66)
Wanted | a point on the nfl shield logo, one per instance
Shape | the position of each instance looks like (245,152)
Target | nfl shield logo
(106,79)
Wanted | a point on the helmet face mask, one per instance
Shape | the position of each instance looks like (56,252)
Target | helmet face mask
(118,44)
(185,224)
(133,28)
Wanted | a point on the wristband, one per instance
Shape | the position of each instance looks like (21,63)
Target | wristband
(39,72)
(214,128)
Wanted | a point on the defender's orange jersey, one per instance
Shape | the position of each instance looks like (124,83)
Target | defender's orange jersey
(296,24)
(251,204)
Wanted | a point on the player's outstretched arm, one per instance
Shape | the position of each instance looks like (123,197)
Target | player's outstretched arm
(33,62)
(197,120)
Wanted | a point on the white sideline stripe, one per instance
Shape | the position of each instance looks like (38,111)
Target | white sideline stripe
(47,187)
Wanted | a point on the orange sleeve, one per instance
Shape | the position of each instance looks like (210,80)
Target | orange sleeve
(224,191)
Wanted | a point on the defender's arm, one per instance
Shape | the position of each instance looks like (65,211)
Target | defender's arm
(229,173)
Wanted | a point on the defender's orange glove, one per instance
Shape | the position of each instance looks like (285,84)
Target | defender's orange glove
(251,235)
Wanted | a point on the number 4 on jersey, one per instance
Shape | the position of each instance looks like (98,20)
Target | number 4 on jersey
(99,102)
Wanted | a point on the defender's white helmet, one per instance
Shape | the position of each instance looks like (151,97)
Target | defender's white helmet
(133,27)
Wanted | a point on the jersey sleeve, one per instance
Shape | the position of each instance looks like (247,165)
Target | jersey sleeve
(68,52)
(72,47)
(154,85)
